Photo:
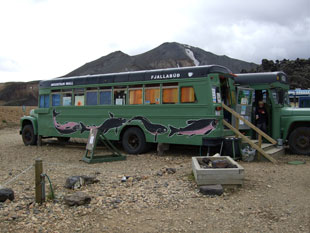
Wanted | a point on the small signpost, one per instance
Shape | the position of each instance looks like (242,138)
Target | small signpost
(94,137)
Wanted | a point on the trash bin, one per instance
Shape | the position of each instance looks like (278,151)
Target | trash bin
(232,147)
(248,154)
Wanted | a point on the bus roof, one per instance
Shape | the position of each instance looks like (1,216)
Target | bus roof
(261,78)
(146,75)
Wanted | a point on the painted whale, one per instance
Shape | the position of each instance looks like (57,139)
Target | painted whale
(67,128)
(152,128)
(195,127)
(108,124)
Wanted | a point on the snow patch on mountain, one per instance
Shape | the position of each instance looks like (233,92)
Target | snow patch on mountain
(191,55)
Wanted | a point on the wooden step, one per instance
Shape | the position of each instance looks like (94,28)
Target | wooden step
(275,151)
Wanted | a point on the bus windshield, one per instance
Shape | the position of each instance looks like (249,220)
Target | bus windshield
(280,96)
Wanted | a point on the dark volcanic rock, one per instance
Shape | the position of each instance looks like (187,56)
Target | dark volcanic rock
(78,198)
(74,182)
(212,189)
(5,194)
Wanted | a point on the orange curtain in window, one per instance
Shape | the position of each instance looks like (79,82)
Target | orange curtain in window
(135,96)
(152,96)
(170,95)
(187,95)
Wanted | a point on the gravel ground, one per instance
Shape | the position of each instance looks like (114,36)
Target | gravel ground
(274,198)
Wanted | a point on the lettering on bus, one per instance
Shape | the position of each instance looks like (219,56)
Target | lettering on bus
(61,84)
(165,76)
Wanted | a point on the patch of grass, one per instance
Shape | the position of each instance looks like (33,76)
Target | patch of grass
(4,121)
(191,176)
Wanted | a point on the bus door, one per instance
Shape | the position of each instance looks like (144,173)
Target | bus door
(244,106)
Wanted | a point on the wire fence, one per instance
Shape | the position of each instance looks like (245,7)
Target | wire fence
(15,177)
(55,165)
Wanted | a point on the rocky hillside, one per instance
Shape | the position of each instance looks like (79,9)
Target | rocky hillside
(167,55)
(19,93)
(298,70)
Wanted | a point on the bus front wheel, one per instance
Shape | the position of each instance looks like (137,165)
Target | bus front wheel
(299,141)
(29,138)
(133,141)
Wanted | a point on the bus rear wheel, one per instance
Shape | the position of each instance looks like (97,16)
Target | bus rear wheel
(299,141)
(29,138)
(133,141)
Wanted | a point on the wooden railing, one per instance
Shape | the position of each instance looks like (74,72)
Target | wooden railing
(257,130)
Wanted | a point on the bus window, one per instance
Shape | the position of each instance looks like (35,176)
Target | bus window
(152,94)
(135,96)
(170,93)
(55,99)
(106,97)
(44,101)
(79,97)
(67,98)
(119,95)
(187,95)
(91,98)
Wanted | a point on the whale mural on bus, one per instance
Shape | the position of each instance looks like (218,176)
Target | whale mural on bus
(66,128)
(108,124)
(193,127)
(154,129)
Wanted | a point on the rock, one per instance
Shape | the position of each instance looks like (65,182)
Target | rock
(222,163)
(78,198)
(160,173)
(75,182)
(171,170)
(6,194)
(212,189)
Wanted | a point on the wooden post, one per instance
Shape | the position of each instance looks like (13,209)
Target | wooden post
(39,195)
(260,146)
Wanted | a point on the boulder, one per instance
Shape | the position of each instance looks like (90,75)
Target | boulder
(78,198)
(75,182)
(212,190)
(171,170)
(6,194)
(222,163)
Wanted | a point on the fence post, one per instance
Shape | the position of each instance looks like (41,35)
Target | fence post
(39,195)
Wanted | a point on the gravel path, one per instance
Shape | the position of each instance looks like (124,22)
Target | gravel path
(274,198)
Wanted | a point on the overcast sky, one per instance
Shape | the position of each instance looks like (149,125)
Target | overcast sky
(42,39)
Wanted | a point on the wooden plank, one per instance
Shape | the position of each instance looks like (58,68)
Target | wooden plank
(260,150)
(260,146)
(238,116)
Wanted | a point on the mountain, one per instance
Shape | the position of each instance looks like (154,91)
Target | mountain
(167,55)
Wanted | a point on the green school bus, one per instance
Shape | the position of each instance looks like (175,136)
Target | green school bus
(175,106)
(291,125)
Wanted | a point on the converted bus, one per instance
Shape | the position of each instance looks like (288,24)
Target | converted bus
(175,106)
(291,125)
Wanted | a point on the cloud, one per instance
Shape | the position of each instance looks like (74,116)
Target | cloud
(8,65)
(49,38)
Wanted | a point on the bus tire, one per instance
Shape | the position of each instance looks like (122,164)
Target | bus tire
(133,141)
(29,138)
(63,139)
(299,141)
